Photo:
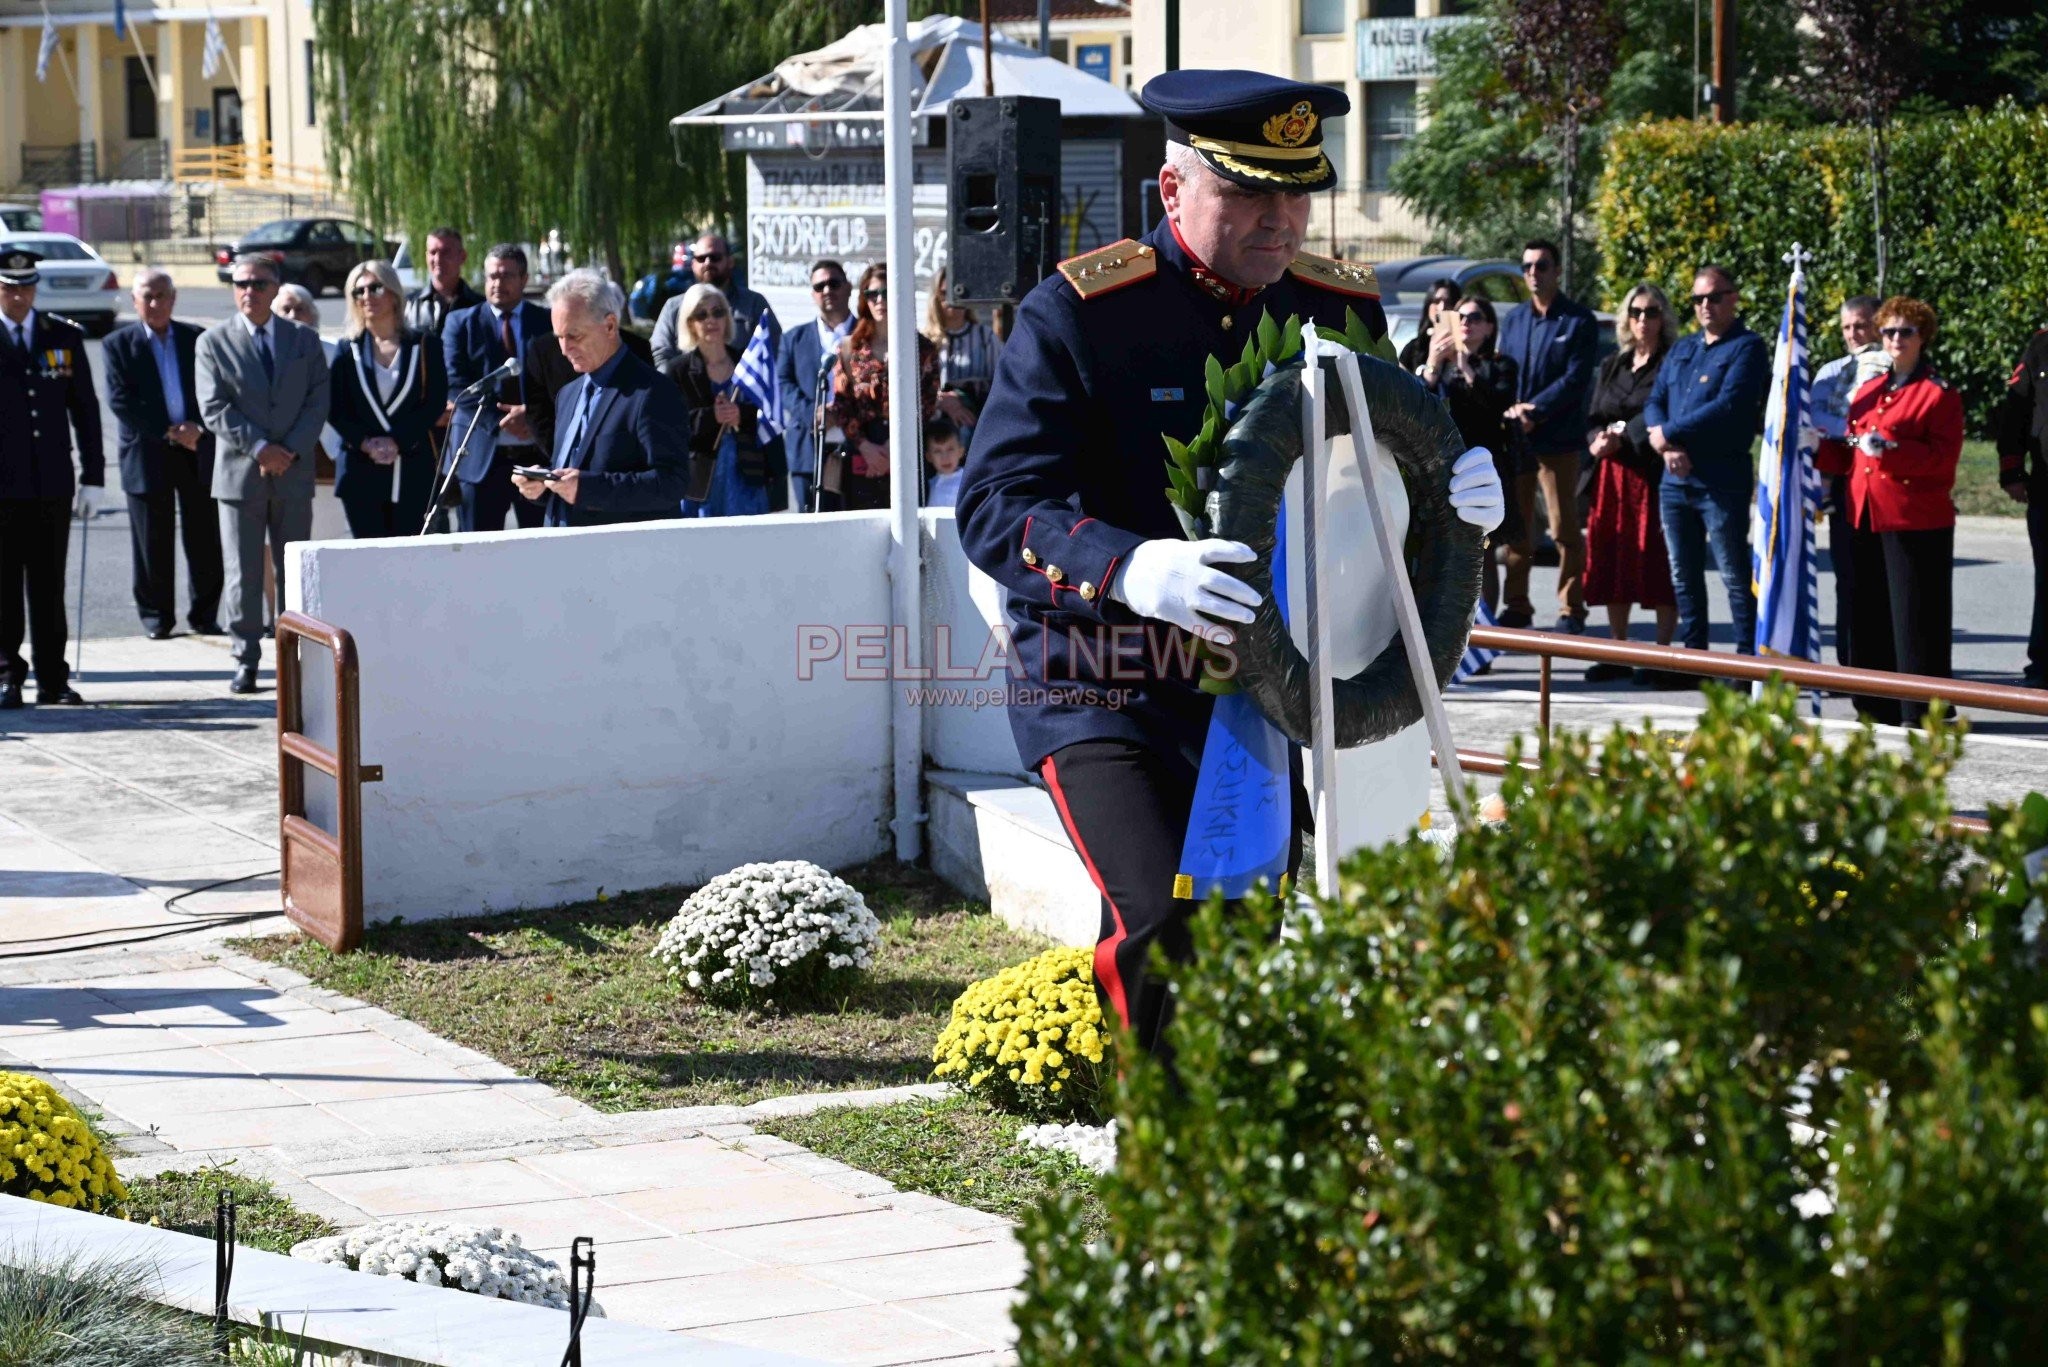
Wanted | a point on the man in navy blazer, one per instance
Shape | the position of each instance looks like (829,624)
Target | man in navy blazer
(166,459)
(800,373)
(476,342)
(622,444)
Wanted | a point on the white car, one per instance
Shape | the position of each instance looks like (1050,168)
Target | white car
(77,281)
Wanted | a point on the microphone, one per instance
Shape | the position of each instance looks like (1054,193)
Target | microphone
(508,371)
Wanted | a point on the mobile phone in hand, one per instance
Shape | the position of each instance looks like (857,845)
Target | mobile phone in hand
(539,472)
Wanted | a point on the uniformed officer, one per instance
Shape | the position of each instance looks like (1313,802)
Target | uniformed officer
(2023,440)
(1064,498)
(45,394)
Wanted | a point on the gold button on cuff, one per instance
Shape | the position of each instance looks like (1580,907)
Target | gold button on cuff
(1087,592)
(1228,322)
(1055,573)
(1030,556)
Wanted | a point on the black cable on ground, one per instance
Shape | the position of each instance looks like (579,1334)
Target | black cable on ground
(171,906)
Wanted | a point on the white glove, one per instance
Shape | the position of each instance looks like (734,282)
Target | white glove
(1173,581)
(90,499)
(1871,444)
(1475,490)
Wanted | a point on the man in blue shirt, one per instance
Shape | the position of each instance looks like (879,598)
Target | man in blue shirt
(1552,341)
(1704,414)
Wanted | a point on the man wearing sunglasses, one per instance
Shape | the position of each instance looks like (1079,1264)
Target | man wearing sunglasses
(263,391)
(1552,340)
(1704,412)
(800,369)
(711,262)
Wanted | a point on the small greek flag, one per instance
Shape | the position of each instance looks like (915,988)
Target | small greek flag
(1475,659)
(121,19)
(216,49)
(1783,561)
(46,50)
(754,376)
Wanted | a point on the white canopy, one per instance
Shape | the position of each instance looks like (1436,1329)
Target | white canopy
(845,77)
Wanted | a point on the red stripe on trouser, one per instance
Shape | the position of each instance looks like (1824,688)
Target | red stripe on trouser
(1107,974)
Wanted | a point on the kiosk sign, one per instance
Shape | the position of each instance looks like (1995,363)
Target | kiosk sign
(1402,49)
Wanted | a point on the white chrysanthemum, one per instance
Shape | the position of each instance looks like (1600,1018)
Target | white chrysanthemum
(761,924)
(487,1261)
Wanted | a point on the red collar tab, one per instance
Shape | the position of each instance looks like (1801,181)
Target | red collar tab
(1215,286)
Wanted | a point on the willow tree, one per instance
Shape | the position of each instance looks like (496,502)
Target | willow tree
(509,118)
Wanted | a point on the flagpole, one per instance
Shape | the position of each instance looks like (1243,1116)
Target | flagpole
(63,57)
(906,720)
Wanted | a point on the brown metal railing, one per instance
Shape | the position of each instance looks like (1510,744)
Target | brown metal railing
(1870,683)
(323,873)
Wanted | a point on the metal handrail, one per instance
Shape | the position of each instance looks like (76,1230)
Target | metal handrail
(1872,683)
(323,872)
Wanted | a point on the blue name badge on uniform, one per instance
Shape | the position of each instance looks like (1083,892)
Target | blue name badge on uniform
(1169,395)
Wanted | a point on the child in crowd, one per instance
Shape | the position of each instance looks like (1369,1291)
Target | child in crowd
(943,453)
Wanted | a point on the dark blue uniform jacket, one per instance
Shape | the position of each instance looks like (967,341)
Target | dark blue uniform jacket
(44,396)
(1068,476)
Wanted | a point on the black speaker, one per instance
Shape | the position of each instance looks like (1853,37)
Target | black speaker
(1003,196)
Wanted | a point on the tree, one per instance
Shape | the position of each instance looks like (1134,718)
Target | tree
(1559,56)
(1858,56)
(509,120)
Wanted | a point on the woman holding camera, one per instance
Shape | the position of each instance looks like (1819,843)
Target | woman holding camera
(1904,438)
(1477,384)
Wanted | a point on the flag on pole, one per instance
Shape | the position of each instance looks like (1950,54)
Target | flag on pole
(1475,659)
(754,377)
(215,51)
(121,19)
(1783,565)
(48,47)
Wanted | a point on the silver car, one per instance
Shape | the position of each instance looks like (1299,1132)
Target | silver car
(77,281)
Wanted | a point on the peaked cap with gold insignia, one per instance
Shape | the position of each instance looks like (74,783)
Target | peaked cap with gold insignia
(1259,131)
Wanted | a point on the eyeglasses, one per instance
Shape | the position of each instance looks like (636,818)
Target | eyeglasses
(1710,298)
(822,286)
(1473,316)
(1900,330)
(1443,301)
(255,283)
(706,315)
(712,258)
(875,294)
(369,289)
(1646,311)
(1538,266)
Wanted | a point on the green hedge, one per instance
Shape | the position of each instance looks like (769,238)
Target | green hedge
(1530,1105)
(1968,209)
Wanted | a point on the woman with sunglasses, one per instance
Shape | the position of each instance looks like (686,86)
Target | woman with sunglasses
(389,387)
(1443,294)
(860,388)
(1904,437)
(732,472)
(1477,384)
(1626,561)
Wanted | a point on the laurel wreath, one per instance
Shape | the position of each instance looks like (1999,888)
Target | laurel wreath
(1191,466)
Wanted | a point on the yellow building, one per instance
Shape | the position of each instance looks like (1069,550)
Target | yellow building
(1377,51)
(144,106)
(1093,35)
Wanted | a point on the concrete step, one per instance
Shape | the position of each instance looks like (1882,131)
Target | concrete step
(997,836)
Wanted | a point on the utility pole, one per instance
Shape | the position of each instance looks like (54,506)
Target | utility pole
(1724,61)
(1173,35)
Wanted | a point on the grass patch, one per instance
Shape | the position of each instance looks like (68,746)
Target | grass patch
(959,1148)
(184,1201)
(1977,493)
(571,997)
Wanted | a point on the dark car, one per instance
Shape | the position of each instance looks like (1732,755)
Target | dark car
(315,252)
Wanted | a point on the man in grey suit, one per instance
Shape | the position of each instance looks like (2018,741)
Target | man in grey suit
(263,394)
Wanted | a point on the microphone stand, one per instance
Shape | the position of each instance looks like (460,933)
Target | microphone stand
(461,449)
(818,430)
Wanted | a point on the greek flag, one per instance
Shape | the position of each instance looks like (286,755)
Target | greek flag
(215,50)
(121,19)
(46,50)
(754,376)
(1475,659)
(1783,566)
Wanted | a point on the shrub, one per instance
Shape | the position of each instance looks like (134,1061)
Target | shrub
(1529,1104)
(69,1311)
(484,1260)
(265,1217)
(1030,1039)
(1967,211)
(788,930)
(48,1152)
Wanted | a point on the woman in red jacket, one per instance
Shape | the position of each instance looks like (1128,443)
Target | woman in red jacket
(1905,434)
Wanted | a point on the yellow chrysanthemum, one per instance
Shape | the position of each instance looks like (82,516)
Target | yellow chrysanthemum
(1018,1037)
(48,1153)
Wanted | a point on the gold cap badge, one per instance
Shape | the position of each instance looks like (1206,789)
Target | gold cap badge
(1293,128)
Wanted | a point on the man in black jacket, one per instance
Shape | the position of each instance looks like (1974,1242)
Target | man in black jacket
(2023,440)
(46,394)
(166,459)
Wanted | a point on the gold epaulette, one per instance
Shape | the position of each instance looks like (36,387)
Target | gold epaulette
(1354,278)
(1096,273)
